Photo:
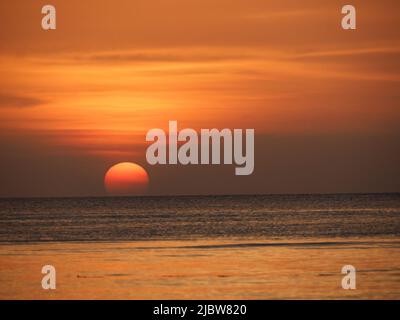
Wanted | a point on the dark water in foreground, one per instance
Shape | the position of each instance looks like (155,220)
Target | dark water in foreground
(200,217)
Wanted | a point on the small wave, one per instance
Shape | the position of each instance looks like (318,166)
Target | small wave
(283,244)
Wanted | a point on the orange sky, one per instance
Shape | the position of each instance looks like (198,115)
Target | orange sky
(114,69)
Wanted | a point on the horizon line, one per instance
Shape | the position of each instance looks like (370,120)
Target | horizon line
(204,195)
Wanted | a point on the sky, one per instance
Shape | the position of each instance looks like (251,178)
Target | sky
(324,102)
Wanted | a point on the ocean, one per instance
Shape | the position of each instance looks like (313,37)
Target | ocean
(193,247)
(200,217)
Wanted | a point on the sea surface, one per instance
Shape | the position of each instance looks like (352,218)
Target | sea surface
(202,217)
(201,247)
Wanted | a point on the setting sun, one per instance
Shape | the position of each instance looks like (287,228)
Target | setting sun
(126,178)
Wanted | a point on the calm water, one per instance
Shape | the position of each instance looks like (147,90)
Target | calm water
(179,218)
(214,247)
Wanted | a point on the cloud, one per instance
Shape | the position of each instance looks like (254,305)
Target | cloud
(17,101)
(349,53)
(159,56)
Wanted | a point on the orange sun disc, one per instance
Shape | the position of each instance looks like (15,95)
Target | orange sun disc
(125,179)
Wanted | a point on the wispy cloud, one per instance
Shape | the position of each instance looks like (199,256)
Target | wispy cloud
(348,53)
(19,101)
(157,56)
